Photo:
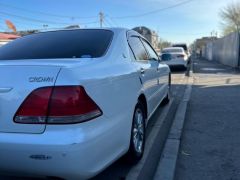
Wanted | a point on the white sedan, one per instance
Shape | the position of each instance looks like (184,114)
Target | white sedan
(74,101)
(175,56)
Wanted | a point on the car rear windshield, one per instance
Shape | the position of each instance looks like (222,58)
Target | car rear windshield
(182,46)
(172,51)
(166,57)
(90,43)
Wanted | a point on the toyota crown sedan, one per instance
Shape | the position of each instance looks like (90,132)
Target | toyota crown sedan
(74,101)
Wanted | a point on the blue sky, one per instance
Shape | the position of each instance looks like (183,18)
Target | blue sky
(180,24)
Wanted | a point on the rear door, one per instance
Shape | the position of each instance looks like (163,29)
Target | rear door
(147,72)
(159,73)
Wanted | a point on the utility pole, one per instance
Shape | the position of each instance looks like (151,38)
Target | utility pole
(101,18)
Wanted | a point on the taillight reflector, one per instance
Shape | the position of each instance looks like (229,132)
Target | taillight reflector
(57,105)
(180,56)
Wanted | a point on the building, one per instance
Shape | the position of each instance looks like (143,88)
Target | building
(225,50)
(5,38)
(150,35)
(200,45)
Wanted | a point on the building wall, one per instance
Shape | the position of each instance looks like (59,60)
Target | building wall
(209,51)
(200,45)
(226,50)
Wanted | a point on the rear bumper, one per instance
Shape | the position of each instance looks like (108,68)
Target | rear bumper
(175,63)
(73,152)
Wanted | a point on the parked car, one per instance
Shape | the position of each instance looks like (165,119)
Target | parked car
(74,101)
(175,56)
(184,46)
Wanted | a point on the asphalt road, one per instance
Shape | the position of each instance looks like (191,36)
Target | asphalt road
(120,168)
(210,142)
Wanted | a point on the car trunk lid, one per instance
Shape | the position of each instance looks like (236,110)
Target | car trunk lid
(17,82)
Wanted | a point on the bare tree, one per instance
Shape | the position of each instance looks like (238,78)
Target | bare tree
(230,16)
(163,43)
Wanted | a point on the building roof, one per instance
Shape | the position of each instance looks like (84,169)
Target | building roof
(8,36)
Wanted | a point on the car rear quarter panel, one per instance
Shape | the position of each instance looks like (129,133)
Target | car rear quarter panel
(114,85)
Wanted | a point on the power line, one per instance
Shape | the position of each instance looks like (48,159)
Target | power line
(112,20)
(42,21)
(109,23)
(185,34)
(3,28)
(47,29)
(105,24)
(44,29)
(47,14)
(19,21)
(155,11)
(117,17)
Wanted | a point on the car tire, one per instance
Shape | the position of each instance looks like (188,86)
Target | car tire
(137,141)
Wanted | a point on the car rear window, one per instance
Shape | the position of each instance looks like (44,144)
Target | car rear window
(182,46)
(78,43)
(166,57)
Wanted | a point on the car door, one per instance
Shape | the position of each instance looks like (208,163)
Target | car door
(146,70)
(158,73)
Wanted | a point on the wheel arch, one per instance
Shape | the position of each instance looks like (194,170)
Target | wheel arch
(143,100)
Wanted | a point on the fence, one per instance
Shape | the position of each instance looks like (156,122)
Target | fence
(224,50)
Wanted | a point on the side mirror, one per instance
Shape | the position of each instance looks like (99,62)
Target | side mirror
(153,59)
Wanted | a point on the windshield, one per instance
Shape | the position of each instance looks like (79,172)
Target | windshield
(59,44)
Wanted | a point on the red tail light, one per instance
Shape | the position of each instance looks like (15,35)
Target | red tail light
(57,105)
(180,56)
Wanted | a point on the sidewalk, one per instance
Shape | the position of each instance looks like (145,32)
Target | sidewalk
(210,145)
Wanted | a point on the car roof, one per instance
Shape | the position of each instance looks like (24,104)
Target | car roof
(111,29)
(179,44)
(114,30)
(169,48)
(184,45)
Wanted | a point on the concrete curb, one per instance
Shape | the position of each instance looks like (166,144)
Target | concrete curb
(146,168)
(167,164)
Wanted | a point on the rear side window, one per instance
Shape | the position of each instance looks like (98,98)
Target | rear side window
(79,43)
(138,48)
(151,52)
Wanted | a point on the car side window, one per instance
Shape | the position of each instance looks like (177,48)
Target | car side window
(138,48)
(131,54)
(151,52)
